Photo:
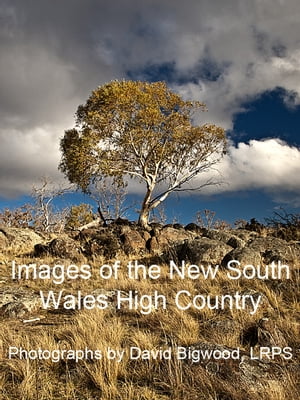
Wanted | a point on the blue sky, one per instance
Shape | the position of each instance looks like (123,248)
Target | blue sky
(268,117)
(240,57)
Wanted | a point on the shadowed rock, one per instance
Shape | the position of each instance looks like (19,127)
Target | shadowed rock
(61,247)
(203,251)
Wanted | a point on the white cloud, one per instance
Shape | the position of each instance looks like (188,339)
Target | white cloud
(28,156)
(52,56)
(269,164)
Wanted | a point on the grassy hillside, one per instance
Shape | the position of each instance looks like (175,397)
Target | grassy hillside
(275,324)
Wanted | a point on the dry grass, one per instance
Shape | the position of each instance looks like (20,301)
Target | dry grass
(161,329)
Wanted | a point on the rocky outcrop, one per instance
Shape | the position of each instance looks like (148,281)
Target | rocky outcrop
(18,241)
(287,233)
(264,250)
(192,243)
(274,249)
(216,330)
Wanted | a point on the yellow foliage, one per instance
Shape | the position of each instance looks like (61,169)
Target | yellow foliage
(142,130)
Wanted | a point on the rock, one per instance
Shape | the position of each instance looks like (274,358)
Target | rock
(287,233)
(262,244)
(244,255)
(87,234)
(41,249)
(169,236)
(3,241)
(222,326)
(103,243)
(62,247)
(228,236)
(19,241)
(236,242)
(274,249)
(255,226)
(264,301)
(16,303)
(192,227)
(153,246)
(146,235)
(133,242)
(177,226)
(122,221)
(3,246)
(254,372)
(245,235)
(13,310)
(269,334)
(119,229)
(244,371)
(203,251)
(264,250)
(155,226)
(222,236)
(288,254)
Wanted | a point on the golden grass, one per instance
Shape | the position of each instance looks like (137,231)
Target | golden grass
(161,329)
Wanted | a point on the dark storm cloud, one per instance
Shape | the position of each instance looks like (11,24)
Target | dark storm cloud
(53,53)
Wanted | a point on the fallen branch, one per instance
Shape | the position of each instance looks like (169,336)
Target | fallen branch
(96,222)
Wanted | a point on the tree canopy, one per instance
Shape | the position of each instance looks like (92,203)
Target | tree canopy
(140,130)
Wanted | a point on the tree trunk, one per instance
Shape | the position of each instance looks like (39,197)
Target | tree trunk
(145,210)
(101,216)
(148,206)
(144,218)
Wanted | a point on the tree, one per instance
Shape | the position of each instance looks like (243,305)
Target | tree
(21,217)
(282,218)
(140,130)
(206,219)
(79,215)
(46,218)
(110,197)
